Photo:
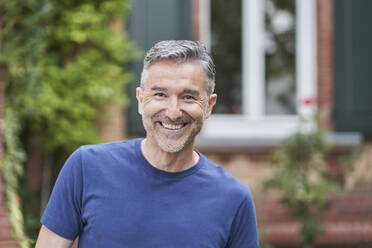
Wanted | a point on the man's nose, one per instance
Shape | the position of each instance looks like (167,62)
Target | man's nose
(173,109)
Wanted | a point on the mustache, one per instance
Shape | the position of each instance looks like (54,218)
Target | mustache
(185,118)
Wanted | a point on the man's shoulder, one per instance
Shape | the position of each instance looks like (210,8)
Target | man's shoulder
(224,180)
(120,147)
(106,155)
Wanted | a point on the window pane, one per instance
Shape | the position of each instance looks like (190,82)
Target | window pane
(227,53)
(280,56)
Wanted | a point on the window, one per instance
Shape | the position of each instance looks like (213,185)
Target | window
(265,53)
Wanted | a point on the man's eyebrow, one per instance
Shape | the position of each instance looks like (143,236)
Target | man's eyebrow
(192,92)
(188,91)
(157,88)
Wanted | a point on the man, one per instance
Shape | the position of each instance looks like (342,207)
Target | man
(158,191)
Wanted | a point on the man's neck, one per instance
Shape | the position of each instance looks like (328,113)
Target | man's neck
(169,161)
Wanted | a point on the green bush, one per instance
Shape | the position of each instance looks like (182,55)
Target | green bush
(303,180)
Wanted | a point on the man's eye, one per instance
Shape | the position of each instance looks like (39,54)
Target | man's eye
(188,97)
(159,94)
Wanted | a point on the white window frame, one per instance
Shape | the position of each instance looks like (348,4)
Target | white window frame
(253,123)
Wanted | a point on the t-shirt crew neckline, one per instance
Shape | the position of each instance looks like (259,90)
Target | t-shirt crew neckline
(155,171)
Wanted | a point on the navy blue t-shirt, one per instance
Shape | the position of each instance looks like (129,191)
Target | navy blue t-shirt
(110,196)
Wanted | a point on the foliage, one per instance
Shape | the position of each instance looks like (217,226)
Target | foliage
(71,64)
(11,167)
(63,60)
(303,180)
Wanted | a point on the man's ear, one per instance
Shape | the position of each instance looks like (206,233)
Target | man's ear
(139,96)
(211,102)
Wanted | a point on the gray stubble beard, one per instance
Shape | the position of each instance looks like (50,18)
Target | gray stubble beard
(195,131)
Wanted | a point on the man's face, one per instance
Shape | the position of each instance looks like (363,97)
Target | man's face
(174,103)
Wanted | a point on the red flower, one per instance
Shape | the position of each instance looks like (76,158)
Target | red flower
(308,100)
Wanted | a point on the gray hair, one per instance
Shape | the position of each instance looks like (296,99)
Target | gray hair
(181,51)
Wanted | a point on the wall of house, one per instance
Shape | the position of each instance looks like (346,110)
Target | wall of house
(348,220)
(325,62)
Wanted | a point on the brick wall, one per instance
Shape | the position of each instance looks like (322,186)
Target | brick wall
(325,34)
(111,125)
(347,222)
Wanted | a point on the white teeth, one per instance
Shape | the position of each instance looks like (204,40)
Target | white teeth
(172,127)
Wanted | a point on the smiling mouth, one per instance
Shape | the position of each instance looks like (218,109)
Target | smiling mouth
(172,127)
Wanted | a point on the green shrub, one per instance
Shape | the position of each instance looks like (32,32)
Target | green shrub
(303,180)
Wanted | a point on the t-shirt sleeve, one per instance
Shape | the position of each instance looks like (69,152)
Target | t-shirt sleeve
(244,228)
(63,212)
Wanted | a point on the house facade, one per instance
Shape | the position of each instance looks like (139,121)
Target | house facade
(279,63)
